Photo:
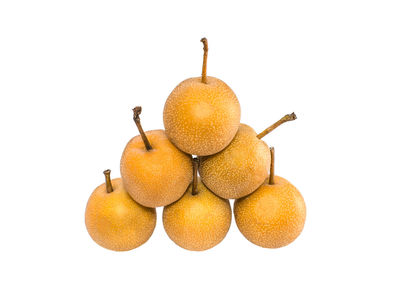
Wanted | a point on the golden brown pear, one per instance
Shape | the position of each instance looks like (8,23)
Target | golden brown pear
(202,115)
(199,220)
(273,216)
(154,172)
(242,166)
(114,220)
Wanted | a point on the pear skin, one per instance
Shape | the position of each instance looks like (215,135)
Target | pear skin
(154,172)
(156,177)
(199,220)
(240,168)
(115,221)
(274,215)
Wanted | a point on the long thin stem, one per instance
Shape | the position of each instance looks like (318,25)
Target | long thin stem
(136,112)
(205,55)
(195,169)
(108,181)
(272,168)
(284,119)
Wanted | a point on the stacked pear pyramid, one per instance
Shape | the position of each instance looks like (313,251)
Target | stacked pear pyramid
(203,135)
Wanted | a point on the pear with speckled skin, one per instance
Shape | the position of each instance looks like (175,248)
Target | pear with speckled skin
(199,220)
(274,215)
(242,166)
(202,115)
(154,172)
(114,220)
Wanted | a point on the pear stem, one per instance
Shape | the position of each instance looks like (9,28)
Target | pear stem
(108,181)
(195,162)
(205,55)
(272,168)
(284,119)
(136,112)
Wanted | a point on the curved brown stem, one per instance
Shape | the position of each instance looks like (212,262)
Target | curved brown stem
(205,55)
(284,119)
(136,112)
(195,168)
(272,168)
(108,181)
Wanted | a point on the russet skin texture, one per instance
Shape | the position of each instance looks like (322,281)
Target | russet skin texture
(273,216)
(156,177)
(240,168)
(115,221)
(201,118)
(197,222)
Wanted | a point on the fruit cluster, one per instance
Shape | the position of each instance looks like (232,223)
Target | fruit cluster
(202,119)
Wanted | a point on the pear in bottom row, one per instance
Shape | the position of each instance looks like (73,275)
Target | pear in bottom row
(114,220)
(199,220)
(274,215)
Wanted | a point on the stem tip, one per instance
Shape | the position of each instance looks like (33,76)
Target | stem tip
(292,117)
(136,112)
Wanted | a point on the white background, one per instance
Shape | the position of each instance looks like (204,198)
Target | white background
(70,72)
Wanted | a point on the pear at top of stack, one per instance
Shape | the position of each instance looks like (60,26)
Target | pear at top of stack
(202,114)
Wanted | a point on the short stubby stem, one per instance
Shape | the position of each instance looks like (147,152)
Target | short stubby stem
(284,119)
(195,169)
(109,187)
(136,112)
(272,168)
